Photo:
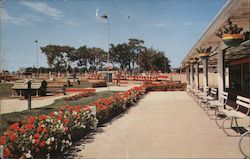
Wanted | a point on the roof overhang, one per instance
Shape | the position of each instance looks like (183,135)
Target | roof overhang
(237,10)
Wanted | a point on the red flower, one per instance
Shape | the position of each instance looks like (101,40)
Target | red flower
(36,141)
(13,137)
(2,140)
(29,126)
(42,143)
(68,107)
(87,107)
(59,117)
(78,108)
(36,135)
(52,114)
(31,119)
(6,152)
(66,129)
(23,131)
(42,117)
(15,127)
(66,121)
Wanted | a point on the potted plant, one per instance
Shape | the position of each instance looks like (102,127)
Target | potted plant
(231,34)
(204,52)
(187,64)
(193,60)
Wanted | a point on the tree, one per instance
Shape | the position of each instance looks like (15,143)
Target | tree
(59,57)
(135,46)
(120,55)
(96,58)
(82,54)
(145,60)
(151,59)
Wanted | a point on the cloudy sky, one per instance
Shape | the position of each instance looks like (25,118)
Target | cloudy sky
(172,26)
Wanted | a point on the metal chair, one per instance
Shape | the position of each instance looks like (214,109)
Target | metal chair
(216,105)
(235,114)
(245,136)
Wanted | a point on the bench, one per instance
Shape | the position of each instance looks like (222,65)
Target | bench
(217,104)
(244,139)
(234,114)
(56,89)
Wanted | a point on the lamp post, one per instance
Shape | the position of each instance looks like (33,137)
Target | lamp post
(105,16)
(36,41)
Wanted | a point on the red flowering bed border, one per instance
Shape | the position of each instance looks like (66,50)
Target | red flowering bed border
(39,137)
(166,87)
(79,89)
(85,93)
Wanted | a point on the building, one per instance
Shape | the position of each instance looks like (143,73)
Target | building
(229,65)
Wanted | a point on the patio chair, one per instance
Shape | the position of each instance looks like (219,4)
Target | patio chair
(196,93)
(235,114)
(216,105)
(202,96)
(246,136)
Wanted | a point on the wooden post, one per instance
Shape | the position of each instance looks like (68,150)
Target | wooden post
(29,95)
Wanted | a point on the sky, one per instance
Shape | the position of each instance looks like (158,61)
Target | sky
(172,26)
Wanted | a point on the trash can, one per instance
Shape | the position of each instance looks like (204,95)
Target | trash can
(110,77)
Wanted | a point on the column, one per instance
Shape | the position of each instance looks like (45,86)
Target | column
(191,75)
(188,74)
(197,75)
(205,74)
(221,70)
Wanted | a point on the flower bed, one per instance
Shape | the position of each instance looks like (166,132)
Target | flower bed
(85,93)
(38,137)
(166,87)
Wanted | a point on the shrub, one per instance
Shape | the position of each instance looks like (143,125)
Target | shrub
(99,84)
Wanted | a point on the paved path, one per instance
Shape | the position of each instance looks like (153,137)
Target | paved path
(162,125)
(17,105)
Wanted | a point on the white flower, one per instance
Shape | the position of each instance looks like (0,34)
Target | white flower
(70,143)
(61,126)
(48,141)
(55,112)
(28,155)
(74,113)
(52,139)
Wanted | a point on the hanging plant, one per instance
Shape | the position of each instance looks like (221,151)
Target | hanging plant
(193,60)
(204,52)
(231,34)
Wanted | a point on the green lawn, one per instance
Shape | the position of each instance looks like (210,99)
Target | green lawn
(10,118)
(5,90)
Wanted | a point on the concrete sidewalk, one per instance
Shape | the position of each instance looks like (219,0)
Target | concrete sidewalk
(162,125)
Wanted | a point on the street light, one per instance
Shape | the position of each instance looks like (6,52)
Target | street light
(105,16)
(36,41)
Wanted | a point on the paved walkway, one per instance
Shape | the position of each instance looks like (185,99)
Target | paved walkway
(162,125)
(17,105)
